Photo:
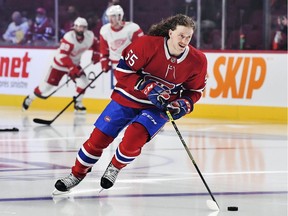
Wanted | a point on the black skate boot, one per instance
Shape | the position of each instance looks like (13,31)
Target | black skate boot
(78,107)
(67,183)
(26,103)
(109,177)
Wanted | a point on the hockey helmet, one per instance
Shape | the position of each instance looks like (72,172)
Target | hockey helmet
(115,10)
(80,22)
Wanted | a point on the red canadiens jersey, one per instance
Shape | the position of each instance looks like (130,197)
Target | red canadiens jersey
(73,49)
(43,31)
(149,58)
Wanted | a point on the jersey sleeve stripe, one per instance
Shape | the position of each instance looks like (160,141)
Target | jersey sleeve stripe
(131,97)
(196,90)
(123,67)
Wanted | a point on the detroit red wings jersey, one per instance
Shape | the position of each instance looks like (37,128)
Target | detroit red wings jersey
(112,41)
(149,58)
(72,48)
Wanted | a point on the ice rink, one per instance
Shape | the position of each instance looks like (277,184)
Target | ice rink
(244,164)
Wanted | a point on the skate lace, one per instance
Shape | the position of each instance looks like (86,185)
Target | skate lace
(111,173)
(70,181)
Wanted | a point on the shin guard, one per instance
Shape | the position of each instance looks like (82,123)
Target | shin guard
(134,139)
(90,152)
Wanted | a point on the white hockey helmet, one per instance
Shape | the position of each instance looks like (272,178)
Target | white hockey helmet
(115,10)
(80,22)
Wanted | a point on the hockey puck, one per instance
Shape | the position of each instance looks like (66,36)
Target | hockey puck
(232,208)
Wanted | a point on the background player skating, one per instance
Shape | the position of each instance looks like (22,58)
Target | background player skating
(161,66)
(67,60)
(115,36)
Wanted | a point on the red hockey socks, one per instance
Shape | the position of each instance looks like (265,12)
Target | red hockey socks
(134,139)
(90,152)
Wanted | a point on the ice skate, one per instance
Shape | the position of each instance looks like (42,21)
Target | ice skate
(65,184)
(26,103)
(78,107)
(109,177)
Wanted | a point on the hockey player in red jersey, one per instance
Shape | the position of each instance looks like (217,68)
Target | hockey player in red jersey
(67,61)
(42,31)
(115,36)
(157,67)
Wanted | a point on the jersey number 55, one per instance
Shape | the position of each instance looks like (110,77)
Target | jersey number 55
(131,57)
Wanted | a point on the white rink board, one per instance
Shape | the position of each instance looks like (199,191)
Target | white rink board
(249,79)
(36,67)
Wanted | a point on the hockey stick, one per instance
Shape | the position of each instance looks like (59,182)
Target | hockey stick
(212,205)
(9,130)
(49,122)
(67,81)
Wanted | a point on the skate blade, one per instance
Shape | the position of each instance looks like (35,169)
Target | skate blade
(100,190)
(59,193)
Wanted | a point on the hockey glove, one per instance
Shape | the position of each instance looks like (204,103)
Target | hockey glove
(180,107)
(155,93)
(75,72)
(105,64)
(95,57)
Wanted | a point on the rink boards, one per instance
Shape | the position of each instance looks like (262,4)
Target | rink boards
(241,86)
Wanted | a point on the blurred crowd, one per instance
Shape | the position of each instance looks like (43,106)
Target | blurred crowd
(26,31)
(244,25)
(38,27)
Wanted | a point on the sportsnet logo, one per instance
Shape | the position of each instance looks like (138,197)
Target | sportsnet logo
(15,66)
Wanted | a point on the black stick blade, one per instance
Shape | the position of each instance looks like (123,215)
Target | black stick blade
(9,130)
(42,121)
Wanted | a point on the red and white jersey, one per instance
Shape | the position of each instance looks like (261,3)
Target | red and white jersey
(73,49)
(44,31)
(149,58)
(113,42)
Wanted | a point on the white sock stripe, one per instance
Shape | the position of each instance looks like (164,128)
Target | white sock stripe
(123,158)
(121,161)
(89,155)
(83,162)
(122,155)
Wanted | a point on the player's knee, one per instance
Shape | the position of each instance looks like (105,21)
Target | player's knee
(135,137)
(99,140)
(82,81)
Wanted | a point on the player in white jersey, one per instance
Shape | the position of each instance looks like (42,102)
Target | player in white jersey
(115,36)
(67,61)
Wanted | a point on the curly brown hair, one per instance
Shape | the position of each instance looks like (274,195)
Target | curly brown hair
(162,28)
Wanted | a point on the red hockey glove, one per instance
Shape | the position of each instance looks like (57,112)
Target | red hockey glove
(155,93)
(95,57)
(75,72)
(180,107)
(105,65)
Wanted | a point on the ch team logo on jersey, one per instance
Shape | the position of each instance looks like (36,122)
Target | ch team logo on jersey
(171,87)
